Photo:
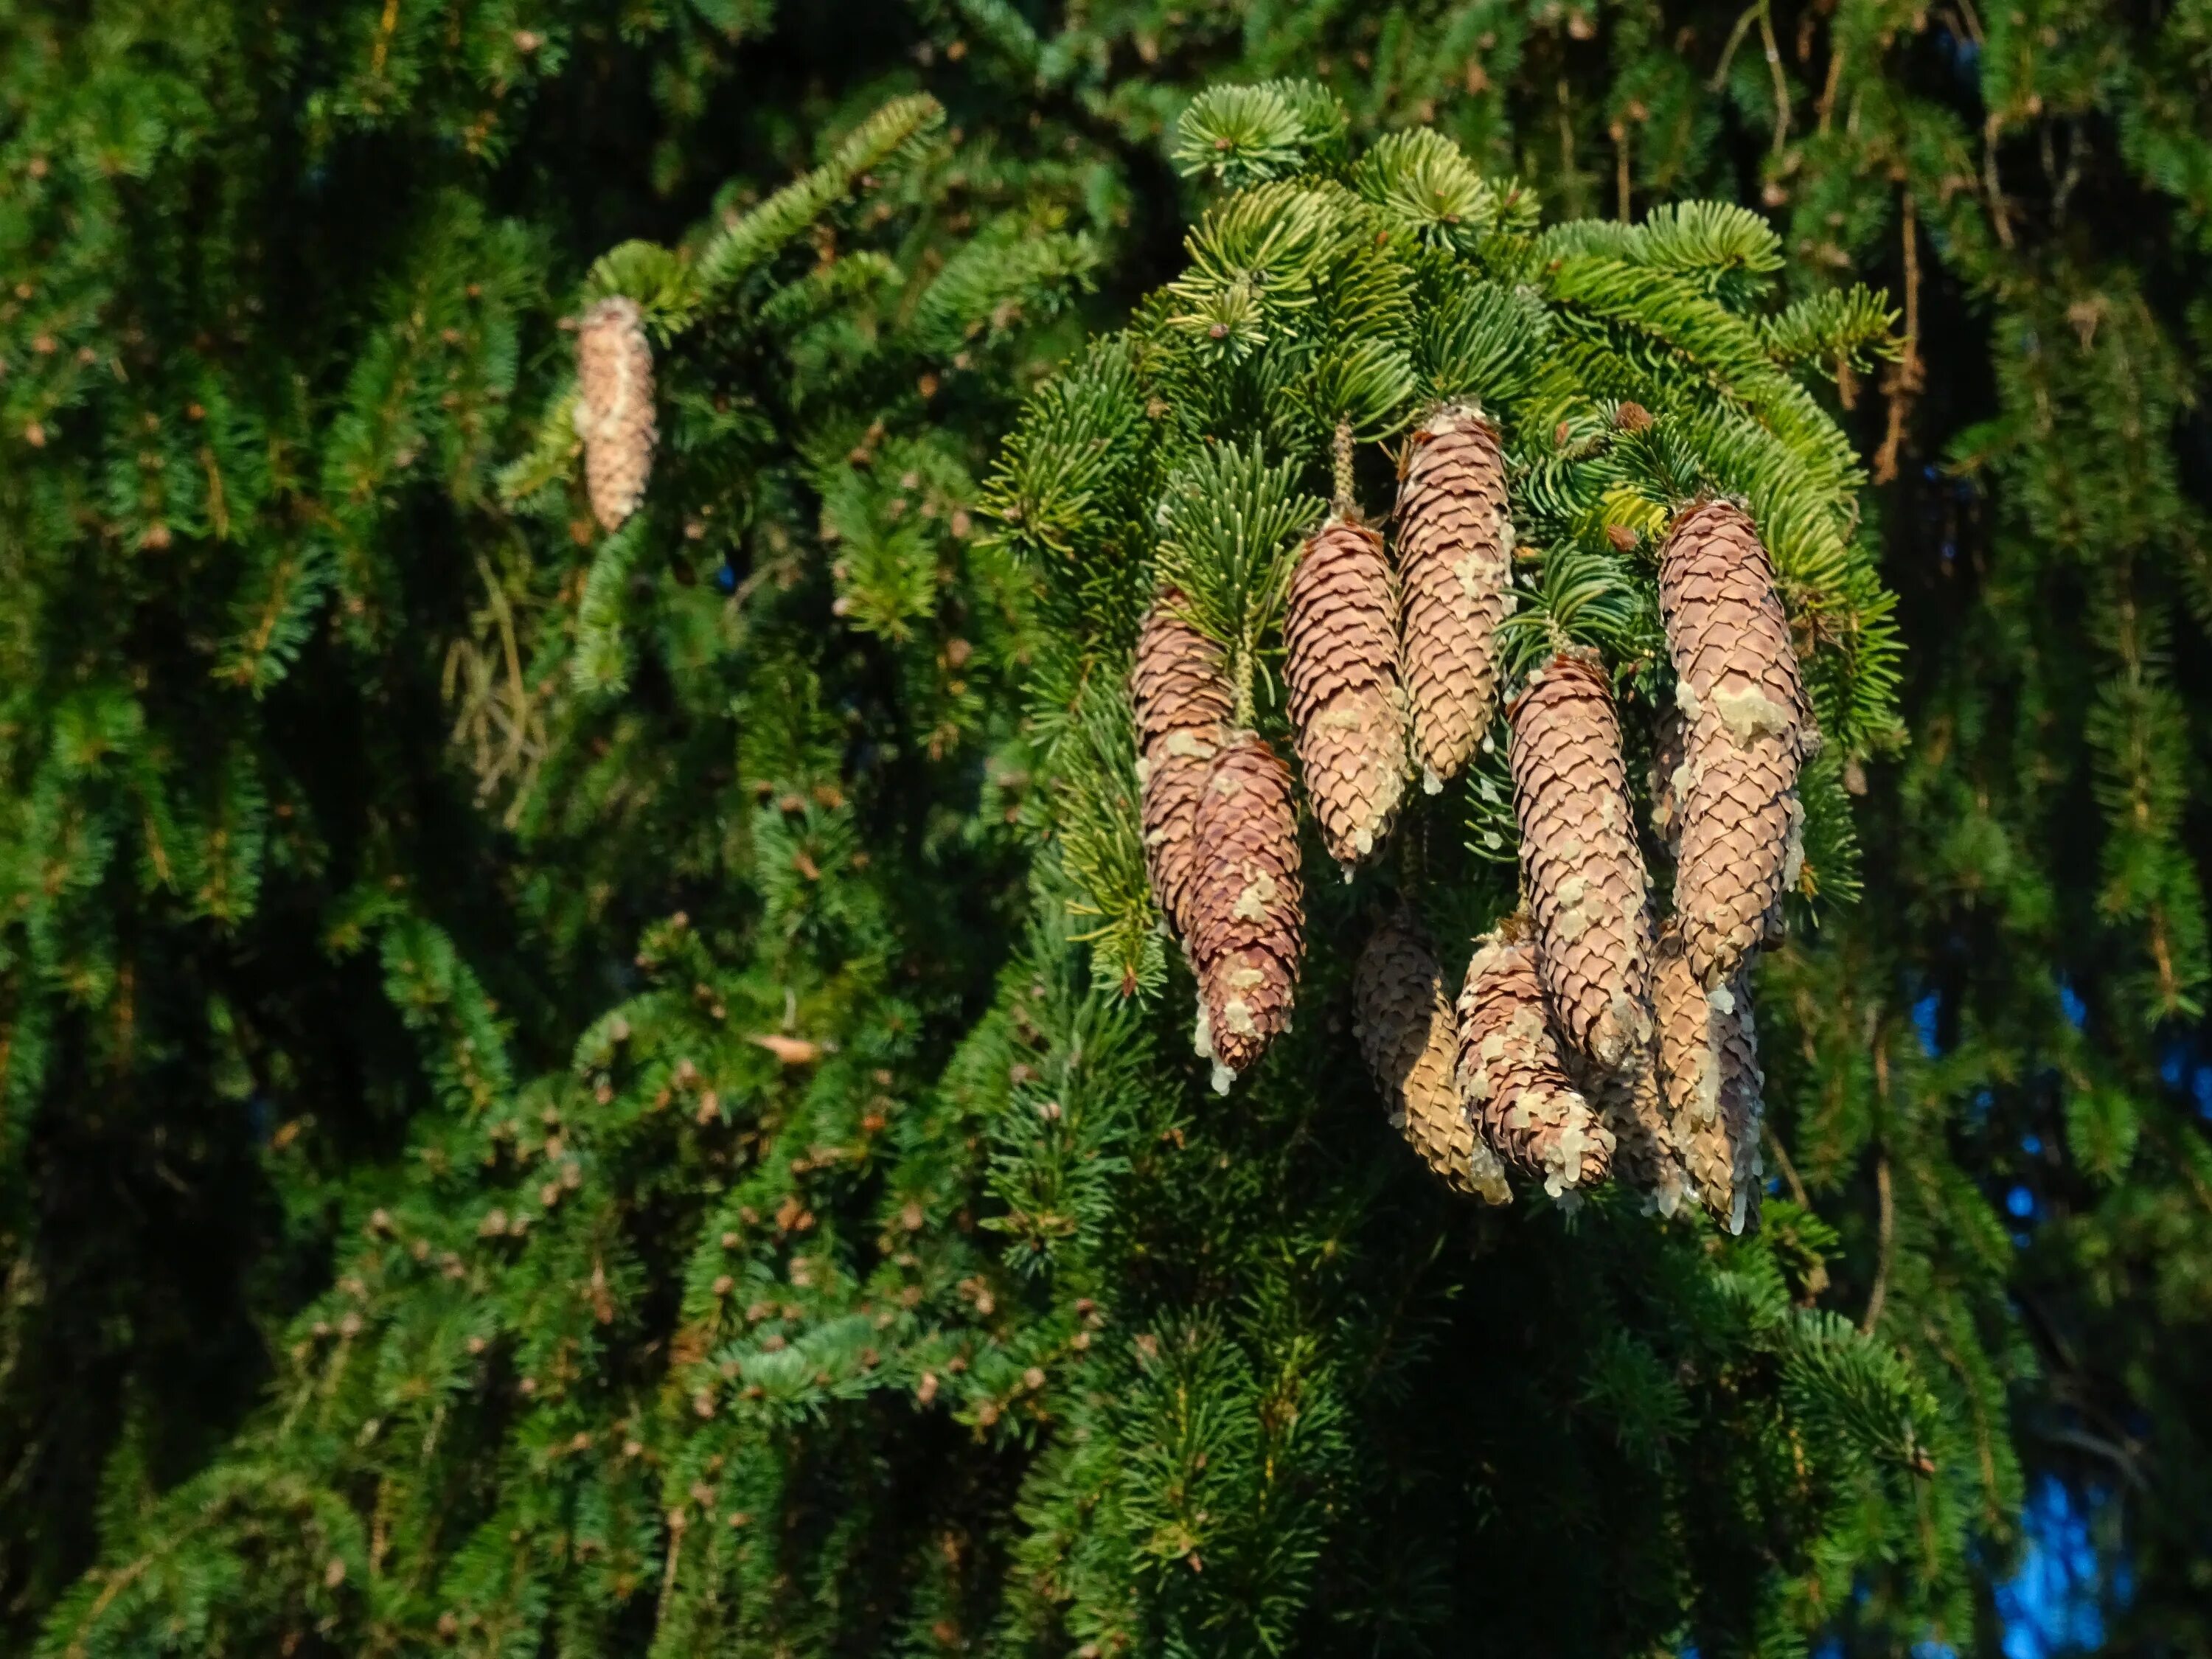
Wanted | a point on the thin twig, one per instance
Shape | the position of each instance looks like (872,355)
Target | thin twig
(1736,39)
(1774,68)
(1888,1239)
(1886,1225)
(1836,56)
(1990,183)
(2072,176)
(386,28)
(2119,1456)
(1789,1169)
(1903,382)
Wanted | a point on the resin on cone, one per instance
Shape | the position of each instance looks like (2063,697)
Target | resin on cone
(1748,730)
(1709,1075)
(1455,581)
(1340,664)
(614,408)
(1247,906)
(1411,1039)
(1512,1078)
(1182,698)
(1581,867)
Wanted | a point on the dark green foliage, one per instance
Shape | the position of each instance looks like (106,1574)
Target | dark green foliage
(261,386)
(348,774)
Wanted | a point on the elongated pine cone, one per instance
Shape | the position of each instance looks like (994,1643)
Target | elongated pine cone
(1182,700)
(614,408)
(1340,664)
(1580,863)
(1512,1077)
(1709,1073)
(1455,576)
(1645,1158)
(1411,1040)
(1748,730)
(1246,907)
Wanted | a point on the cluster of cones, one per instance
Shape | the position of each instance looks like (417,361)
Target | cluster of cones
(1588,1037)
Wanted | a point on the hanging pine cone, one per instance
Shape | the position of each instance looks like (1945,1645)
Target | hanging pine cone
(1181,699)
(614,408)
(1709,1073)
(1408,1032)
(1456,569)
(1341,666)
(1748,730)
(1247,918)
(1580,863)
(1645,1158)
(1510,1076)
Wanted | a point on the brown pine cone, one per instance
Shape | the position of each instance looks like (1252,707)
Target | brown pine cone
(1512,1077)
(1645,1158)
(614,408)
(1340,664)
(1456,570)
(1247,906)
(1581,865)
(1749,730)
(1411,1040)
(1709,1074)
(1182,697)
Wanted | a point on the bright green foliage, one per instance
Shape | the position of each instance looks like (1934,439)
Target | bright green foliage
(1327,308)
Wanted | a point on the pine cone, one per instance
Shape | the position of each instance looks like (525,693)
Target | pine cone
(1510,1076)
(1709,1074)
(1581,865)
(1341,666)
(1455,566)
(614,408)
(1408,1032)
(1182,700)
(1645,1158)
(1246,908)
(1749,730)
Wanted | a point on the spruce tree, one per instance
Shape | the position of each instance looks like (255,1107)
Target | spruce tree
(754,1327)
